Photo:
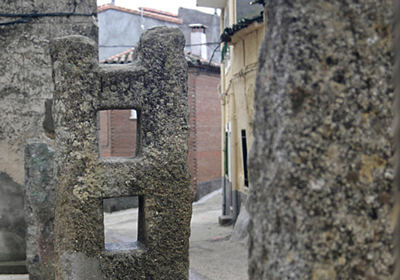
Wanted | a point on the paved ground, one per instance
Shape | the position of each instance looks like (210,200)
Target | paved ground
(213,256)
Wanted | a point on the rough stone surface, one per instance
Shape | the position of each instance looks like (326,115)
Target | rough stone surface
(12,222)
(25,85)
(396,73)
(121,203)
(320,171)
(156,86)
(39,209)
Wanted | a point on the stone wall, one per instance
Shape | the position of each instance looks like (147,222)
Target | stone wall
(204,157)
(396,126)
(25,86)
(156,86)
(320,166)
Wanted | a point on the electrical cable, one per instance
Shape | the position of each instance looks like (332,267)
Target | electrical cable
(212,56)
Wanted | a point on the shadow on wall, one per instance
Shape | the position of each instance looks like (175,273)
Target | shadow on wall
(12,221)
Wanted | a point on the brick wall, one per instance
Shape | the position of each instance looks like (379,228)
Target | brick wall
(192,160)
(117,133)
(208,126)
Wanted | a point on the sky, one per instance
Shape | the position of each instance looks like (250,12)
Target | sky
(163,5)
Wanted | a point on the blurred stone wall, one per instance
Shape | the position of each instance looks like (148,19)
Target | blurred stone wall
(25,86)
(320,166)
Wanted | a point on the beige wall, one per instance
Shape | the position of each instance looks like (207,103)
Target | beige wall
(237,86)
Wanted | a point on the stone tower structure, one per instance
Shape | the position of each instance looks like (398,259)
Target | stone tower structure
(155,85)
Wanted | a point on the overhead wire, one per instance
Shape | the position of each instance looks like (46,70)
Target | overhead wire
(212,56)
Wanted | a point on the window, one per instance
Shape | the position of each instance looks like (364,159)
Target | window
(244,156)
(228,151)
(118,133)
(121,231)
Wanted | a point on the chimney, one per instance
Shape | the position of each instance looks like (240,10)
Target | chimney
(112,2)
(198,40)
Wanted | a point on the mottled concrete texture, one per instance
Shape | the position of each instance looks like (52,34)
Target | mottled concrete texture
(320,170)
(39,210)
(156,86)
(25,85)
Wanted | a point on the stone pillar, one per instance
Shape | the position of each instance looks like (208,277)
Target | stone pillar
(320,171)
(25,86)
(39,210)
(155,85)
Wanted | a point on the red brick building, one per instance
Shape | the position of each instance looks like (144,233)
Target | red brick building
(118,133)
(119,127)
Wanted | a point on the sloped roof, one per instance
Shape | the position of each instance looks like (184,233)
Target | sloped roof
(147,12)
(120,58)
(192,60)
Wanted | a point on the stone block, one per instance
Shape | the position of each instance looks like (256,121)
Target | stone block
(39,209)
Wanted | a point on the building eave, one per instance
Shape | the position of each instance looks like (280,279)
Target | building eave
(229,32)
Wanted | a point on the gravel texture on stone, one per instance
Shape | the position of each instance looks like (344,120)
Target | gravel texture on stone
(320,166)
(155,85)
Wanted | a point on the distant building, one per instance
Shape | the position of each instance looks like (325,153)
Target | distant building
(243,33)
(119,32)
(119,127)
(190,18)
(120,29)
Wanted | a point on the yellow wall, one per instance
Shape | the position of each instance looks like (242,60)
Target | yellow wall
(237,87)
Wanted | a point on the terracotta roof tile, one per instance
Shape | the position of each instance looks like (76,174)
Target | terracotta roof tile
(147,12)
(127,57)
(151,10)
(120,58)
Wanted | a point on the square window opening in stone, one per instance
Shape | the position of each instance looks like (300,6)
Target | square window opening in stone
(123,223)
(118,133)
